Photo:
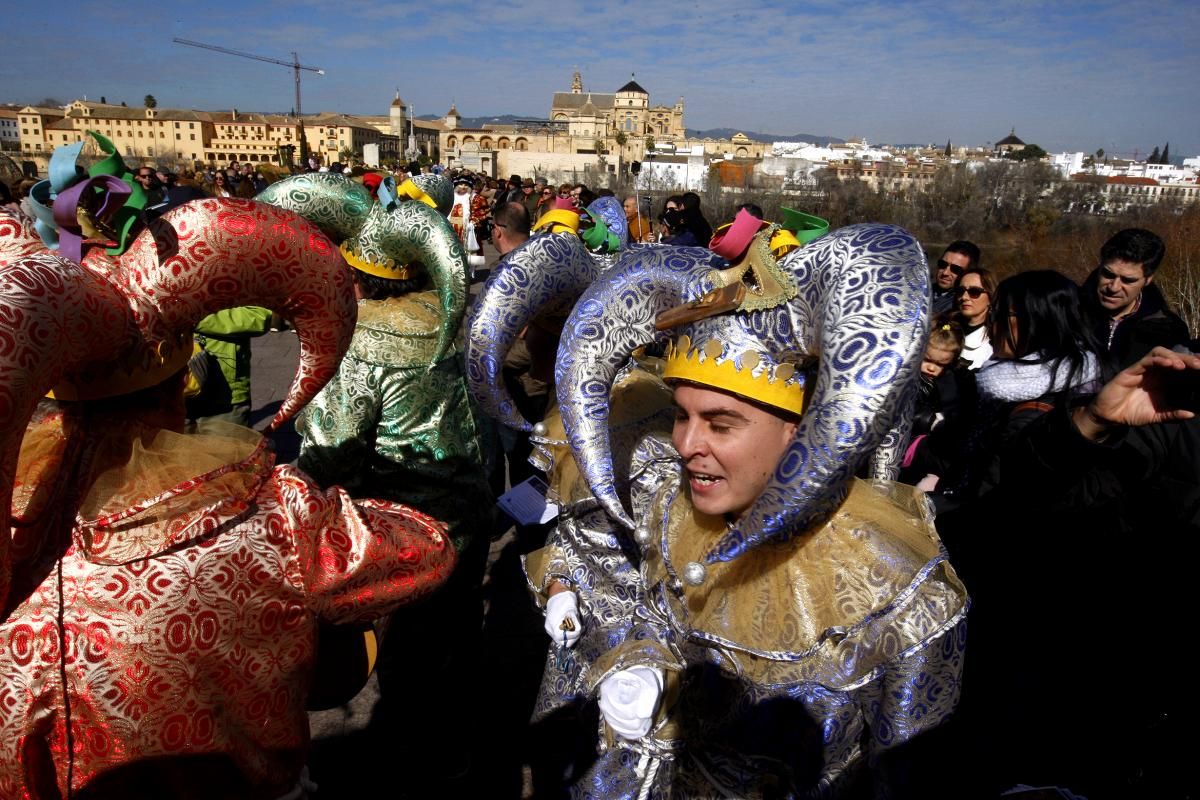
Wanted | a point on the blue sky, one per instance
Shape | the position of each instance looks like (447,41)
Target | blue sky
(1069,76)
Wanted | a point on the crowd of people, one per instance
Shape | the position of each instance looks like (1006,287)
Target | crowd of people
(828,522)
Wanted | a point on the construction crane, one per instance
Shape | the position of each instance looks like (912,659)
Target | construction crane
(294,63)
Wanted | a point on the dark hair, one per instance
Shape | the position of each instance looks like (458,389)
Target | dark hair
(694,218)
(753,209)
(605,193)
(586,197)
(514,217)
(1050,325)
(1137,246)
(375,288)
(675,219)
(6,196)
(968,249)
(675,198)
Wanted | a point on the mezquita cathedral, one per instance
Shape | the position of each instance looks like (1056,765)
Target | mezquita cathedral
(584,129)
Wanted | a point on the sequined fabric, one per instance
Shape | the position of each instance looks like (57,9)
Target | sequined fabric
(177,617)
(389,426)
(794,665)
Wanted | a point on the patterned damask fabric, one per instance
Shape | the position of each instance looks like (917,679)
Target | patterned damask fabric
(389,426)
(774,693)
(172,620)
(587,550)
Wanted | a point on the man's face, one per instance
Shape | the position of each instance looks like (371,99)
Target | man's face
(527,189)
(147,178)
(949,267)
(729,447)
(1120,285)
(630,208)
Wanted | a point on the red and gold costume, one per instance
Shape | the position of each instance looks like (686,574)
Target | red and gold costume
(175,614)
(161,590)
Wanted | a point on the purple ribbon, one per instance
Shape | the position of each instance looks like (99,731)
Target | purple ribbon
(113,194)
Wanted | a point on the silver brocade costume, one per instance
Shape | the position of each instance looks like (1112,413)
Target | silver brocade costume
(388,426)
(778,696)
(587,550)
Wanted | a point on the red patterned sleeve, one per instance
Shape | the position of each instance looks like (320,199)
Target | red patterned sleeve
(479,208)
(358,559)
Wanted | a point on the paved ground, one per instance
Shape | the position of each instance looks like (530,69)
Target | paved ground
(346,746)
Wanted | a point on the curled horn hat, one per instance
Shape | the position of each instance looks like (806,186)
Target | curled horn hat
(853,303)
(71,324)
(384,238)
(544,277)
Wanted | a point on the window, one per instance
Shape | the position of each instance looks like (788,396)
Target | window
(176,124)
(178,136)
(193,136)
(191,125)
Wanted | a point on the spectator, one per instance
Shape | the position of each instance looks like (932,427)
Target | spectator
(546,201)
(957,258)
(1100,506)
(677,231)
(973,295)
(639,224)
(1045,356)
(1129,314)
(511,227)
(695,217)
(922,464)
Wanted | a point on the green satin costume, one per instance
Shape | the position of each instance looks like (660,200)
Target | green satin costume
(388,426)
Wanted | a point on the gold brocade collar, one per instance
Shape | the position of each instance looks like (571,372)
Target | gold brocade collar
(399,331)
(172,487)
(839,599)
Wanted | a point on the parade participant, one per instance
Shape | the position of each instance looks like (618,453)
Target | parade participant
(396,422)
(161,591)
(794,627)
(468,210)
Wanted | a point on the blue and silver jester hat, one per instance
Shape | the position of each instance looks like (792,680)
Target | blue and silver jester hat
(853,305)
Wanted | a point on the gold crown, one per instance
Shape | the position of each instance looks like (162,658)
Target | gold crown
(777,385)
(142,368)
(387,269)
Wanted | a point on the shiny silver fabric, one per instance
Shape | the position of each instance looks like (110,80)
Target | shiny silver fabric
(860,312)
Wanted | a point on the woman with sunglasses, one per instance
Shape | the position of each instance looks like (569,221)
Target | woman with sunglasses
(973,293)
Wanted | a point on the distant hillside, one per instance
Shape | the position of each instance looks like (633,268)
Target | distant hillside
(710,133)
(725,133)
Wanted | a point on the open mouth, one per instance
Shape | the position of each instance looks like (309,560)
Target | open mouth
(702,481)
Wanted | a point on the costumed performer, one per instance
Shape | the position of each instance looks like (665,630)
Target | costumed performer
(161,591)
(396,421)
(795,626)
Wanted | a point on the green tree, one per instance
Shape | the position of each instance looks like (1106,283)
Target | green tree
(1100,154)
(1153,159)
(1030,152)
(621,138)
(947,151)
(149,102)
(1165,158)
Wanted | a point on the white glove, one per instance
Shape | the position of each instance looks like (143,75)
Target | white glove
(562,619)
(629,698)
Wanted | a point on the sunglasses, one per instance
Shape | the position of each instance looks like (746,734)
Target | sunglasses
(955,268)
(547,193)
(975,292)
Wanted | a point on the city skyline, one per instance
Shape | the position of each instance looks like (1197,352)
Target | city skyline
(1077,77)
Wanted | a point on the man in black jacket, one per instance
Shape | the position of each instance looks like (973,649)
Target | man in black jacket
(1129,312)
